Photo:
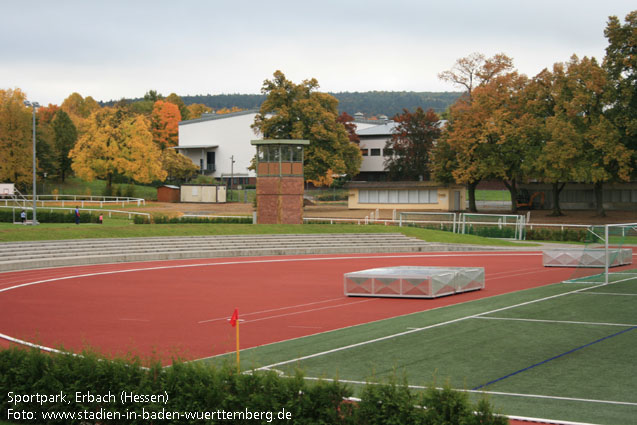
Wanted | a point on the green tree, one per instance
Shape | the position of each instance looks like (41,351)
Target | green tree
(411,144)
(620,64)
(298,111)
(580,120)
(65,137)
(552,156)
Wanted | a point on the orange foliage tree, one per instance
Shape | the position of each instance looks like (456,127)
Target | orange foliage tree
(165,124)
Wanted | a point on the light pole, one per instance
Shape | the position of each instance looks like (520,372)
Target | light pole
(34,105)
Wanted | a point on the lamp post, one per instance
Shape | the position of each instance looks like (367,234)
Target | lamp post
(34,105)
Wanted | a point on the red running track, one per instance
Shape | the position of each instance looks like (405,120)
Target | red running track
(182,307)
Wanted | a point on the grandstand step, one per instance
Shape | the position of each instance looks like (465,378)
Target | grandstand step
(27,255)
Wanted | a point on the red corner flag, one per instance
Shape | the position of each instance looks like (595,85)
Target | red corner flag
(234,318)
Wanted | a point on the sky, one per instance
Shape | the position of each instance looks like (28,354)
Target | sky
(115,49)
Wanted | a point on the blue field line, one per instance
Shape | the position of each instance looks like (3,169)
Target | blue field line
(553,358)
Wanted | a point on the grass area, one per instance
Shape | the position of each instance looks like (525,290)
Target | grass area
(563,351)
(122,228)
(492,195)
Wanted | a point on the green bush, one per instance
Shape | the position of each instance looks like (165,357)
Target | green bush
(554,234)
(46,216)
(162,219)
(200,387)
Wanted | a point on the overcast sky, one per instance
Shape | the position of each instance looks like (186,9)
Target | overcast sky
(114,49)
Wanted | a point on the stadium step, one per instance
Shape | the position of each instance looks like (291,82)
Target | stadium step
(29,255)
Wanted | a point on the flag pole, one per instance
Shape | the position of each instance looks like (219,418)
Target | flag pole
(238,360)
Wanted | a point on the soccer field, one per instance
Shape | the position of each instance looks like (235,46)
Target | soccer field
(564,351)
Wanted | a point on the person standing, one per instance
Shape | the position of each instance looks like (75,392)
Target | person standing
(23,217)
(77,215)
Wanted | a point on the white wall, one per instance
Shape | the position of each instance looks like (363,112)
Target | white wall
(231,134)
(373,163)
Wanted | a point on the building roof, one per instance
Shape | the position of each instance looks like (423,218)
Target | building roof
(196,147)
(213,116)
(385,129)
(280,142)
(397,185)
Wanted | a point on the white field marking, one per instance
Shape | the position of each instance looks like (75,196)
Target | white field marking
(387,337)
(305,327)
(360,324)
(310,310)
(134,320)
(422,387)
(283,260)
(611,293)
(273,309)
(623,325)
(32,345)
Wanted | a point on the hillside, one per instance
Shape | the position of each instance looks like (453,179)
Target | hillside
(372,103)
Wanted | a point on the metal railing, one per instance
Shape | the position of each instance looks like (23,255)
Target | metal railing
(79,200)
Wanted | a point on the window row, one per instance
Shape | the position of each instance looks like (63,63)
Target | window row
(397,196)
(376,152)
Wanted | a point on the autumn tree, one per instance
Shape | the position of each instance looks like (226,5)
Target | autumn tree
(475,70)
(178,101)
(196,110)
(462,137)
(620,64)
(15,139)
(551,157)
(117,143)
(348,121)
(165,124)
(580,122)
(65,137)
(176,165)
(411,144)
(299,111)
(76,105)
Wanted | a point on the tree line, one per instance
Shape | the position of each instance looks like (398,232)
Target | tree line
(370,103)
(573,122)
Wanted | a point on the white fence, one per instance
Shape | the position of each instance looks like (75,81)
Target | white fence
(454,223)
(75,200)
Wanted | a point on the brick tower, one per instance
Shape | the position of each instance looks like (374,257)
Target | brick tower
(280,181)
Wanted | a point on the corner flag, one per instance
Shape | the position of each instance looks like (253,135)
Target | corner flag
(234,318)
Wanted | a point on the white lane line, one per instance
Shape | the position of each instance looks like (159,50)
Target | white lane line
(272,309)
(557,321)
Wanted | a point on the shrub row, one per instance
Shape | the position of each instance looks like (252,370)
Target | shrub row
(565,235)
(44,216)
(197,387)
(161,219)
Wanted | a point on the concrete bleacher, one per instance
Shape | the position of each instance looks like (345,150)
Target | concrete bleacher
(41,254)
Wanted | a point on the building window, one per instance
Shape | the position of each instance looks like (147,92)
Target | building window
(375,152)
(364,152)
(388,152)
(397,196)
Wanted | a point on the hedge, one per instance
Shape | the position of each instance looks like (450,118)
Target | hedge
(565,235)
(44,216)
(161,219)
(200,387)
